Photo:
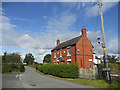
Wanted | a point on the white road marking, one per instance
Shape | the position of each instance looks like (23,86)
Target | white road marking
(20,76)
(17,76)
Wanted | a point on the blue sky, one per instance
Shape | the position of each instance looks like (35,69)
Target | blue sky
(35,26)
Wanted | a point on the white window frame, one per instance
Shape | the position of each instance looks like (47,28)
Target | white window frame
(60,52)
(90,63)
(55,54)
(57,61)
(69,54)
(68,60)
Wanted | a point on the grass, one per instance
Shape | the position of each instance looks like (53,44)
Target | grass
(14,72)
(32,66)
(94,83)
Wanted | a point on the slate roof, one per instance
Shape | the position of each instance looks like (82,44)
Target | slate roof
(67,43)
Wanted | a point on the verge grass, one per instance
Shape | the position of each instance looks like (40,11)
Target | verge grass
(14,72)
(32,66)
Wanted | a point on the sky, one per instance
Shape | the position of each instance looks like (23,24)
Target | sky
(35,26)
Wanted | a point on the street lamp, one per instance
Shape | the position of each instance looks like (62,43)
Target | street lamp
(102,44)
(98,39)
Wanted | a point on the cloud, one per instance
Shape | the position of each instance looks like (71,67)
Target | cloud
(23,19)
(113,46)
(41,43)
(92,10)
(44,17)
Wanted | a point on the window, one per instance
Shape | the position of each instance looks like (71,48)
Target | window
(57,61)
(68,51)
(60,52)
(90,64)
(68,61)
(55,54)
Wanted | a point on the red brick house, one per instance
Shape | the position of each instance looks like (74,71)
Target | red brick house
(78,49)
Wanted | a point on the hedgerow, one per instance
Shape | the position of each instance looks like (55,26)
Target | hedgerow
(10,67)
(60,70)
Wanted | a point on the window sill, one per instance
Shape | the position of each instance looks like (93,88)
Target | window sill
(68,55)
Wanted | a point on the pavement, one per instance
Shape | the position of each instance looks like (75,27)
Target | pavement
(31,79)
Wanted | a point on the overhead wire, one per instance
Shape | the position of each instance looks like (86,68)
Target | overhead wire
(97,21)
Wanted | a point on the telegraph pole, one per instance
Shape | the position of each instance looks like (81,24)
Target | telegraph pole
(103,35)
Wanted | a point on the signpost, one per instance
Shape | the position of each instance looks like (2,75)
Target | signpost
(106,69)
(107,60)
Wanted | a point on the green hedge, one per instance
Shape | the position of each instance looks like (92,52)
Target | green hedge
(100,72)
(9,67)
(114,69)
(60,70)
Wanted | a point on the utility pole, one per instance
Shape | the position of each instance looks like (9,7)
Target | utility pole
(104,44)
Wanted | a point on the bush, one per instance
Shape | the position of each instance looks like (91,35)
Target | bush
(60,70)
(101,73)
(21,67)
(9,67)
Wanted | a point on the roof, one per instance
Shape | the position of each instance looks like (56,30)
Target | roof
(67,43)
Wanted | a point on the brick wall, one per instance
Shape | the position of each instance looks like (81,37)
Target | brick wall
(85,53)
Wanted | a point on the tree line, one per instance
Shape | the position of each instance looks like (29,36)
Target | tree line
(112,59)
(16,58)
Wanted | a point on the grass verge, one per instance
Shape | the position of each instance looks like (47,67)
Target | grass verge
(14,72)
(32,66)
(94,83)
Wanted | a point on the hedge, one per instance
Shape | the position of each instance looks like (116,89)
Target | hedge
(10,67)
(114,69)
(100,72)
(60,70)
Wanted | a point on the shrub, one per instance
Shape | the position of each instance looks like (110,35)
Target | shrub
(101,73)
(21,68)
(9,67)
(60,70)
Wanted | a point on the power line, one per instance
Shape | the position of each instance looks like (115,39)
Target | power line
(97,20)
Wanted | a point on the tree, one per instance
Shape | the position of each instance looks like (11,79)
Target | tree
(47,58)
(11,58)
(112,59)
(29,59)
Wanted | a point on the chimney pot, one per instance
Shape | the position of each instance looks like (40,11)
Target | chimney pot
(58,41)
(83,32)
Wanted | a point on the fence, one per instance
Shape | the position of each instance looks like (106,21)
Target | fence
(91,73)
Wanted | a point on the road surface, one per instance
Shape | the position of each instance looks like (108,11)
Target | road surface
(31,79)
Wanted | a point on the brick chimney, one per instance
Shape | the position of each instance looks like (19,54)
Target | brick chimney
(58,41)
(83,32)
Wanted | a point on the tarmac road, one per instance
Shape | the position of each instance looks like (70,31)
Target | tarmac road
(31,79)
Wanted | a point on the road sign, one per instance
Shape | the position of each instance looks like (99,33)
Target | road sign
(107,60)
(106,69)
(116,75)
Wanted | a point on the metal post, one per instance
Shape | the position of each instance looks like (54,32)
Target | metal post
(104,44)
